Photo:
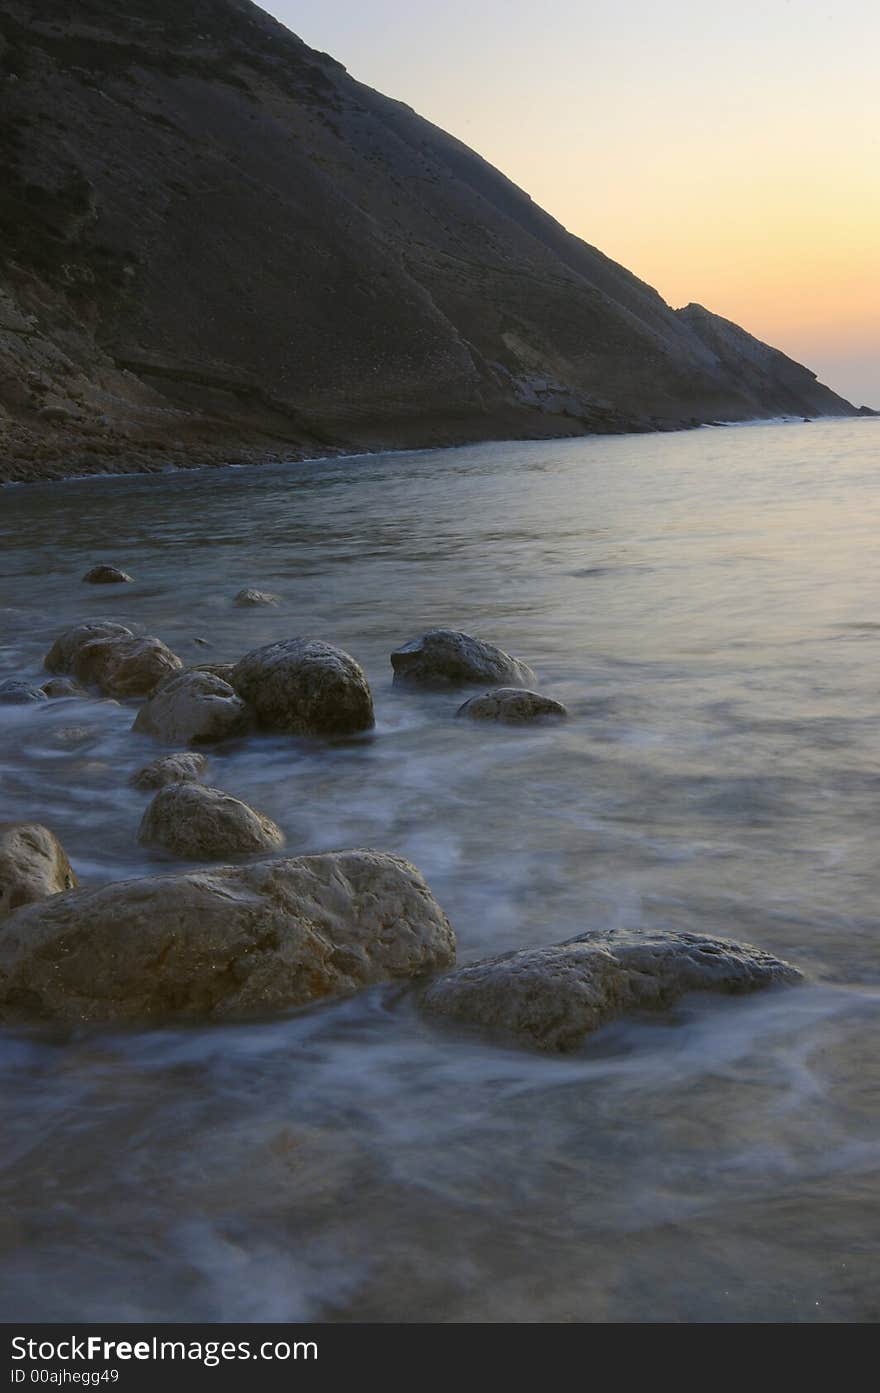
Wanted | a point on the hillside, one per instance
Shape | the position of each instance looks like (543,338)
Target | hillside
(216,244)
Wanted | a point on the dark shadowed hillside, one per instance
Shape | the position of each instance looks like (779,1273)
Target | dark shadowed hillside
(214,243)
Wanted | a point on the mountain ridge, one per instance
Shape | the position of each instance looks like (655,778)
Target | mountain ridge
(216,244)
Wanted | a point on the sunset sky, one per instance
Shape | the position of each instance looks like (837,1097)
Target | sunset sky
(726,153)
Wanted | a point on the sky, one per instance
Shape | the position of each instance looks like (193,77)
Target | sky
(726,151)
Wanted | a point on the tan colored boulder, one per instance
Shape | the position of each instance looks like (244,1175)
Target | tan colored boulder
(62,654)
(33,865)
(181,768)
(124,667)
(305,687)
(199,823)
(231,942)
(193,707)
(449,658)
(552,998)
(513,706)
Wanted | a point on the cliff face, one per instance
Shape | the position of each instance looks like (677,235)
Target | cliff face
(214,243)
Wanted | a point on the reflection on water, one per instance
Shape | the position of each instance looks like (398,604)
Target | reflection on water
(706,604)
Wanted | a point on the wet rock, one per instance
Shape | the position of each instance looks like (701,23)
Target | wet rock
(247,598)
(183,768)
(33,865)
(125,667)
(193,707)
(69,737)
(513,705)
(63,653)
(448,658)
(235,941)
(16,693)
(106,575)
(198,823)
(305,687)
(63,687)
(552,998)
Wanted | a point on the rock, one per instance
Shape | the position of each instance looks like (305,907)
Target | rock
(16,693)
(195,822)
(125,667)
(246,598)
(235,941)
(224,670)
(514,705)
(447,658)
(553,997)
(106,575)
(68,737)
(170,769)
(63,687)
(62,655)
(305,687)
(33,865)
(193,706)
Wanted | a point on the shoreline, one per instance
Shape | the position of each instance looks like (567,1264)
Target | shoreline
(272,458)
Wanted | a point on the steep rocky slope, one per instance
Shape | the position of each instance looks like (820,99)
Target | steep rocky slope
(215,244)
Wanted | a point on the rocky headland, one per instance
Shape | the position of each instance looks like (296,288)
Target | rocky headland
(218,246)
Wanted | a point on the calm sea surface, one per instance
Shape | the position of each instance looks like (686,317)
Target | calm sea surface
(708,606)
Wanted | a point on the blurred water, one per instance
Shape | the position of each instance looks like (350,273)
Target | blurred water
(707,605)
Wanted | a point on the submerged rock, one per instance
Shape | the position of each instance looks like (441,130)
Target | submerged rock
(198,823)
(16,693)
(62,655)
(246,598)
(106,575)
(193,707)
(63,687)
(33,865)
(305,687)
(125,667)
(553,997)
(514,705)
(448,658)
(235,941)
(170,769)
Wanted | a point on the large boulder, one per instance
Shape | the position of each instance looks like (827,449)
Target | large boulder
(183,768)
(305,687)
(106,575)
(62,655)
(193,707)
(14,692)
(237,941)
(124,667)
(448,658)
(199,823)
(551,998)
(513,705)
(33,865)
